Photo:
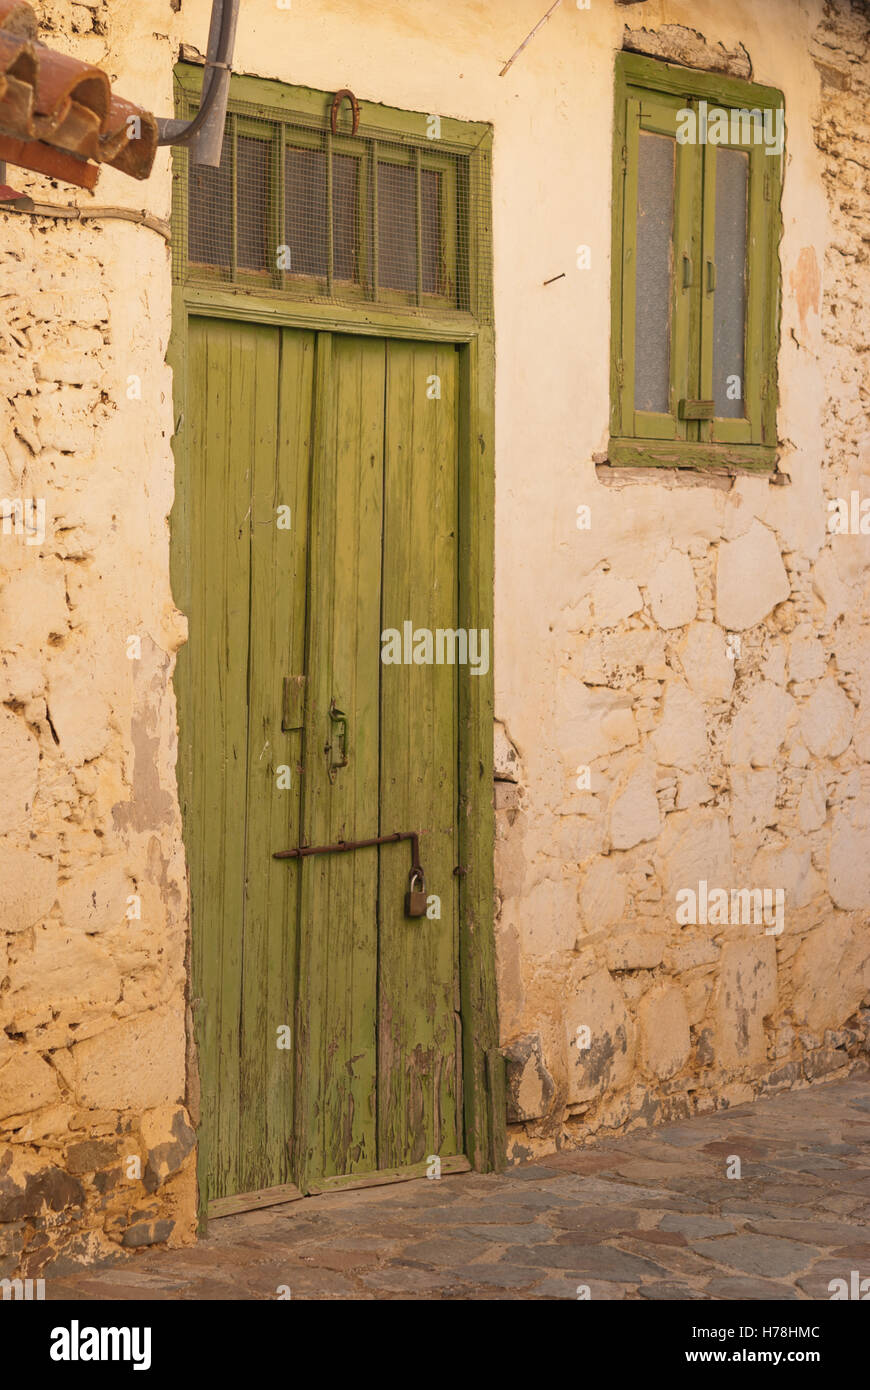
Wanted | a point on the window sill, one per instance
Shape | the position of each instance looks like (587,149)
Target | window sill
(700,458)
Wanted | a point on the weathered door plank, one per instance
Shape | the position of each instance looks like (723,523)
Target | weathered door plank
(224,360)
(338,966)
(418,1099)
(281,464)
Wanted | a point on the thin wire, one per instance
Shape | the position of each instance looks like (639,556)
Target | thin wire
(540,24)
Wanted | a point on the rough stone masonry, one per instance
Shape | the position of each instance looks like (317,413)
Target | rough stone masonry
(701,652)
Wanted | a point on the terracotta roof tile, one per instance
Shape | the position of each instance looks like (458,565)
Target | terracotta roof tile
(58,114)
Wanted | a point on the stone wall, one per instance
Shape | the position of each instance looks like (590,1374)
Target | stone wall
(715,692)
(95,1143)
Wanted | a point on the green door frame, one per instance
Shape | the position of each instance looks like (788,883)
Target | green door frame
(482,1063)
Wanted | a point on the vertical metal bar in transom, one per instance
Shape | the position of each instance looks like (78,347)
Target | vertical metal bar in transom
(279,212)
(330,219)
(418,203)
(234,199)
(375,223)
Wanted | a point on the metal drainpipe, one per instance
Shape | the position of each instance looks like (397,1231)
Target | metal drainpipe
(205,146)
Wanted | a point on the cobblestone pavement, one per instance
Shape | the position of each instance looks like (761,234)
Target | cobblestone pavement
(651,1216)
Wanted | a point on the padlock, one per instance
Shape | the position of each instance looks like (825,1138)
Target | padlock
(416,898)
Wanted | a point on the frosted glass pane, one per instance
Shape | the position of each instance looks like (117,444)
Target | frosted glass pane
(655,234)
(729,309)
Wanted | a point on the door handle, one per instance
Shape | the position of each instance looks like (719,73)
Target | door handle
(337,735)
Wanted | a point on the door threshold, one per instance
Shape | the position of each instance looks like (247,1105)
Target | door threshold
(381,1176)
(253,1201)
(348,1182)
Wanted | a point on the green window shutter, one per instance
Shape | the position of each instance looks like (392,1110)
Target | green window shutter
(658,256)
(695,316)
(739,291)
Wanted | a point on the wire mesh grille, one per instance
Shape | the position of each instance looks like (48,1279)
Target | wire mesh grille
(294,210)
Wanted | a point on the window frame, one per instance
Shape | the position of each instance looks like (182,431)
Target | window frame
(653,439)
(401,144)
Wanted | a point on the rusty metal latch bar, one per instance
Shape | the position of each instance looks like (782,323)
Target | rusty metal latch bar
(415,898)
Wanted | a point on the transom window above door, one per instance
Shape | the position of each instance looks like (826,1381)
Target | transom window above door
(392,215)
(696,283)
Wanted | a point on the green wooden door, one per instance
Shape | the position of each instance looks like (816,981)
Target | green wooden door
(322,495)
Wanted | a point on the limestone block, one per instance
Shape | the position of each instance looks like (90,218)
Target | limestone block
(28,886)
(849,862)
(618,729)
(79,712)
(773,667)
(861,733)
(691,953)
(827,720)
(549,918)
(693,790)
(65,975)
(680,739)
(95,899)
(831,974)
(530,1087)
(608,1060)
(829,587)
(750,579)
(746,992)
(26,1084)
(789,867)
(697,997)
(672,592)
(169,1138)
(753,799)
(33,604)
(602,894)
(19,759)
(634,807)
(806,656)
(663,1025)
(617,659)
(694,845)
(813,804)
(506,757)
(706,665)
(20,679)
(633,949)
(760,726)
(613,599)
(136,1065)
(592,722)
